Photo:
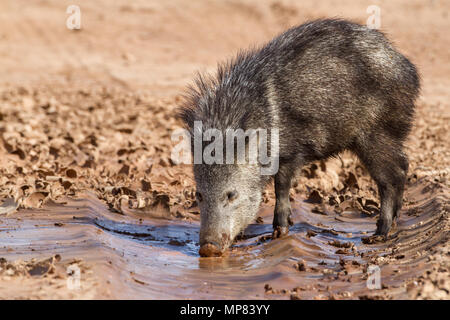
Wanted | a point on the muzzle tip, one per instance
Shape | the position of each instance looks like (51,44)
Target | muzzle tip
(209,250)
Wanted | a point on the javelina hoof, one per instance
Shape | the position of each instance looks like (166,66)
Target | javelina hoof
(209,250)
(383,226)
(280,232)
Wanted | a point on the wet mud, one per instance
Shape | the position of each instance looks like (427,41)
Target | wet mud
(325,256)
(92,206)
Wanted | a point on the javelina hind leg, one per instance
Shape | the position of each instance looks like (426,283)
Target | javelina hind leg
(388,166)
(282,215)
(404,164)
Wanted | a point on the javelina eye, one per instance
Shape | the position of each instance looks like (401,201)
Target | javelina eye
(231,195)
(199,196)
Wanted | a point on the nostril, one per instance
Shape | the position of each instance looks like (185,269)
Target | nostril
(210,250)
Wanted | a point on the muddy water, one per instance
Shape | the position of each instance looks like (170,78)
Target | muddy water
(131,256)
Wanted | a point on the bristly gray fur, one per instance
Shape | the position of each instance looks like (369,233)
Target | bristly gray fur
(328,85)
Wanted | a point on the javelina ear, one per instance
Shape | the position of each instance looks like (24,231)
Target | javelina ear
(202,87)
(187,110)
(186,114)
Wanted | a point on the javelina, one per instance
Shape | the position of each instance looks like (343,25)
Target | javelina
(328,86)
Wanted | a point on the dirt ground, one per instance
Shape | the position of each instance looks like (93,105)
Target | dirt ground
(91,205)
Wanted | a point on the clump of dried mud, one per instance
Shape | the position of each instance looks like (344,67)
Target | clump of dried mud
(115,144)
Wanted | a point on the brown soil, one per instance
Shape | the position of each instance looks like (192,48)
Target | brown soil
(86,179)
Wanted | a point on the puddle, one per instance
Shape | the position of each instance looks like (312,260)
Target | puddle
(132,256)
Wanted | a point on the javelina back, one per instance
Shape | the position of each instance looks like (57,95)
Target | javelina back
(328,86)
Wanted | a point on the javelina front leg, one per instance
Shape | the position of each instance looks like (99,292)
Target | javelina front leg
(282,215)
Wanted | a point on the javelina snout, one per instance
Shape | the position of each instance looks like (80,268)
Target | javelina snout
(229,198)
(326,86)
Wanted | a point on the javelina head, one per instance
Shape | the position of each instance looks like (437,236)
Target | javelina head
(229,196)
(228,193)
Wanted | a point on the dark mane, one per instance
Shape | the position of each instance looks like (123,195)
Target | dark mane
(205,98)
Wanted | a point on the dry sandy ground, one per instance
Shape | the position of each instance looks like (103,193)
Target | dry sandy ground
(89,191)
